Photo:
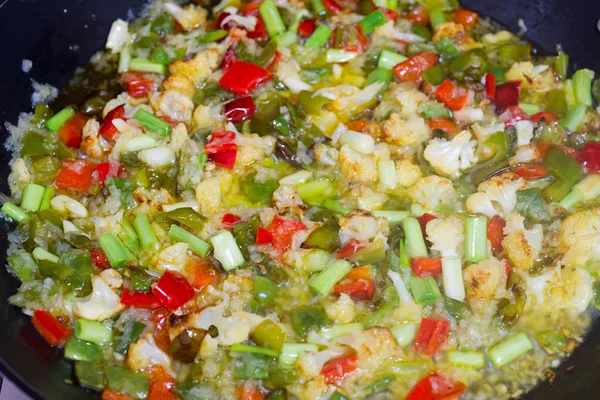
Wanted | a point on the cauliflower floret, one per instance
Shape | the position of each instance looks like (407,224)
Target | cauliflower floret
(173,104)
(485,280)
(343,310)
(326,155)
(366,198)
(362,226)
(359,99)
(112,278)
(525,154)
(309,364)
(450,158)
(409,98)
(90,139)
(286,196)
(357,167)
(579,238)
(180,83)
(483,132)
(189,17)
(522,246)
(524,132)
(447,236)
(102,304)
(19,177)
(173,257)
(409,132)
(253,148)
(433,191)
(208,194)
(288,71)
(454,31)
(198,68)
(537,78)
(145,353)
(407,173)
(497,195)
(153,197)
(208,117)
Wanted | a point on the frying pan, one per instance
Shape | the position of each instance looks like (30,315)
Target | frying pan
(61,35)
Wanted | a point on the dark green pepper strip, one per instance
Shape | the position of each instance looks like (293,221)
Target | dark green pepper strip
(265,290)
(531,204)
(552,341)
(310,104)
(79,350)
(126,381)
(557,190)
(500,143)
(372,318)
(188,217)
(133,330)
(305,319)
(251,366)
(90,374)
(562,165)
(326,237)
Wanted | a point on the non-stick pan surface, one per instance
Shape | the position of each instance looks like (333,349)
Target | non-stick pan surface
(60,35)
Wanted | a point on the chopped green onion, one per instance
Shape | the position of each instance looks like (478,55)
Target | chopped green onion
(530,109)
(286,39)
(319,37)
(425,290)
(323,283)
(159,55)
(387,173)
(373,318)
(41,254)
(454,286)
(272,18)
(392,5)
(14,212)
(140,143)
(434,109)
(59,119)
(435,75)
(152,122)
(380,3)
(92,331)
(415,244)
(212,36)
(32,197)
(145,233)
(476,239)
(587,189)
(245,348)
(404,259)
(227,250)
(133,330)
(509,349)
(290,351)
(380,75)
(314,260)
(437,17)
(552,341)
(318,7)
(116,252)
(447,47)
(561,65)
(335,206)
(124,59)
(574,117)
(48,195)
(466,358)
(128,235)
(338,330)
(393,217)
(197,245)
(339,56)
(145,65)
(582,85)
(78,350)
(405,333)
(372,21)
(313,189)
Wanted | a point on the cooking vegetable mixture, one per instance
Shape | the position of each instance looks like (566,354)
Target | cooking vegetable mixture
(327,199)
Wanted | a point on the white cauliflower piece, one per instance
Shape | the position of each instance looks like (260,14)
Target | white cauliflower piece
(173,104)
(112,278)
(447,236)
(288,71)
(180,83)
(450,158)
(189,17)
(433,191)
(198,68)
(497,195)
(326,155)
(357,167)
(358,100)
(144,353)
(522,246)
(90,139)
(309,364)
(407,173)
(485,280)
(525,154)
(155,198)
(579,238)
(158,158)
(208,117)
(208,195)
(409,132)
(343,310)
(102,304)
(253,148)
(537,78)
(409,98)
(524,132)
(173,257)
(19,177)
(366,198)
(362,226)
(118,36)
(286,196)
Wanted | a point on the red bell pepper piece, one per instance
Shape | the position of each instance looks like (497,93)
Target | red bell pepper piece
(107,129)
(70,132)
(332,7)
(418,14)
(490,85)
(545,115)
(358,284)
(512,115)
(389,14)
(445,124)
(507,95)
(436,387)
(412,69)
(148,301)
(51,329)
(453,97)
(230,220)
(589,157)
(242,77)
(495,233)
(431,335)
(203,274)
(339,368)
(283,230)
(107,170)
(99,259)
(307,27)
(108,394)
(225,159)
(350,248)
(424,267)
(249,391)
(260,29)
(138,85)
(530,171)
(424,220)
(75,175)
(465,17)
(173,290)
(161,391)
(263,236)
(220,140)
(239,110)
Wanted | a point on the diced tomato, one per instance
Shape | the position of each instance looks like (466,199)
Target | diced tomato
(495,233)
(50,328)
(225,159)
(159,318)
(107,129)
(140,88)
(350,248)
(158,373)
(107,170)
(389,14)
(545,115)
(424,220)
(530,171)
(332,7)
(161,391)
(229,57)
(220,140)
(70,132)
(358,284)
(412,69)
(283,230)
(453,97)
(512,115)
(307,27)
(75,175)
(424,267)
(239,110)
(339,368)
(260,29)
(431,335)
(490,85)
(436,387)
(507,95)
(589,157)
(108,394)
(263,236)
(242,77)
(230,220)
(418,14)
(249,391)
(147,301)
(445,124)
(465,17)
(202,273)
(220,21)
(99,259)
(173,290)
